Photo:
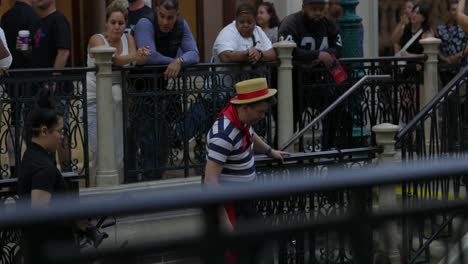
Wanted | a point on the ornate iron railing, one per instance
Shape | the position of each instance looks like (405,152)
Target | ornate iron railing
(438,130)
(315,246)
(17,98)
(356,224)
(17,91)
(349,126)
(334,105)
(165,121)
(10,238)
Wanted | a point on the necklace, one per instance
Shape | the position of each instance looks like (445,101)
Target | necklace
(112,43)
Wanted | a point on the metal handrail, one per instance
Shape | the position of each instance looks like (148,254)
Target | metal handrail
(393,59)
(140,202)
(297,157)
(429,107)
(335,104)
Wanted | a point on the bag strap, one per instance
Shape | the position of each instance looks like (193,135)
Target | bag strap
(411,41)
(254,40)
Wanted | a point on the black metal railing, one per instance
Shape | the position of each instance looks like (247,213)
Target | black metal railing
(334,105)
(317,246)
(438,130)
(165,121)
(17,97)
(296,166)
(355,225)
(395,101)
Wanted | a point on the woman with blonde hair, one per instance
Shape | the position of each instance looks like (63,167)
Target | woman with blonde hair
(126,55)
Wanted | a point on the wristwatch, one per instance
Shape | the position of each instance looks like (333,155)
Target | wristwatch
(268,151)
(180,60)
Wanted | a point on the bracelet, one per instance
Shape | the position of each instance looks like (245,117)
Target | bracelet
(261,54)
(268,151)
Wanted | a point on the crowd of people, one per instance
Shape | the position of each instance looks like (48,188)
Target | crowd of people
(37,35)
(415,24)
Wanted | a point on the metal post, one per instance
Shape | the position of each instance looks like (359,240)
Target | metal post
(285,123)
(107,172)
(351,30)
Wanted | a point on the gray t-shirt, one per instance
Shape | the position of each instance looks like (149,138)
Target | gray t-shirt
(272,34)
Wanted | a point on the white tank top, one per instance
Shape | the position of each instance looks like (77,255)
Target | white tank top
(91,62)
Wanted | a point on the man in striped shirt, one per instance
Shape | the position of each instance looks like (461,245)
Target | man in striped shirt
(231,141)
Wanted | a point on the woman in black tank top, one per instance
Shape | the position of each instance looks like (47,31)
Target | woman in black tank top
(419,21)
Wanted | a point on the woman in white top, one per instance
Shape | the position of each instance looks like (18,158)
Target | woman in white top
(5,55)
(126,54)
(243,40)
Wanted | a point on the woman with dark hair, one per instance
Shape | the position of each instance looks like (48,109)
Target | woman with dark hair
(39,181)
(405,19)
(418,28)
(268,20)
(243,40)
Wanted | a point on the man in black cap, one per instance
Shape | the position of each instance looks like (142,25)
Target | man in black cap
(318,41)
(316,36)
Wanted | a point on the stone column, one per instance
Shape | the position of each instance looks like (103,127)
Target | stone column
(431,78)
(385,137)
(107,171)
(431,73)
(368,10)
(285,123)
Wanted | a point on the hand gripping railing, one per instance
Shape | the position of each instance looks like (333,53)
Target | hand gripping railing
(335,104)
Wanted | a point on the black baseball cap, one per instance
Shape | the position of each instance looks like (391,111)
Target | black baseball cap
(305,2)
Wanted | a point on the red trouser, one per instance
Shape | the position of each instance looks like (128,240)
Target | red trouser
(230,257)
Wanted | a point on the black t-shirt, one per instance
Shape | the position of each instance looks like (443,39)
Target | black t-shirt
(136,15)
(416,47)
(51,33)
(39,171)
(20,17)
(311,37)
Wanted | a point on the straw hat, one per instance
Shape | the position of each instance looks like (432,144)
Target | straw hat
(252,90)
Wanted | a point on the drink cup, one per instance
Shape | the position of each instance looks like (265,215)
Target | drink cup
(24,39)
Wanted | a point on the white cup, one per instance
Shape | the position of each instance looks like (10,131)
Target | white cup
(24,39)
